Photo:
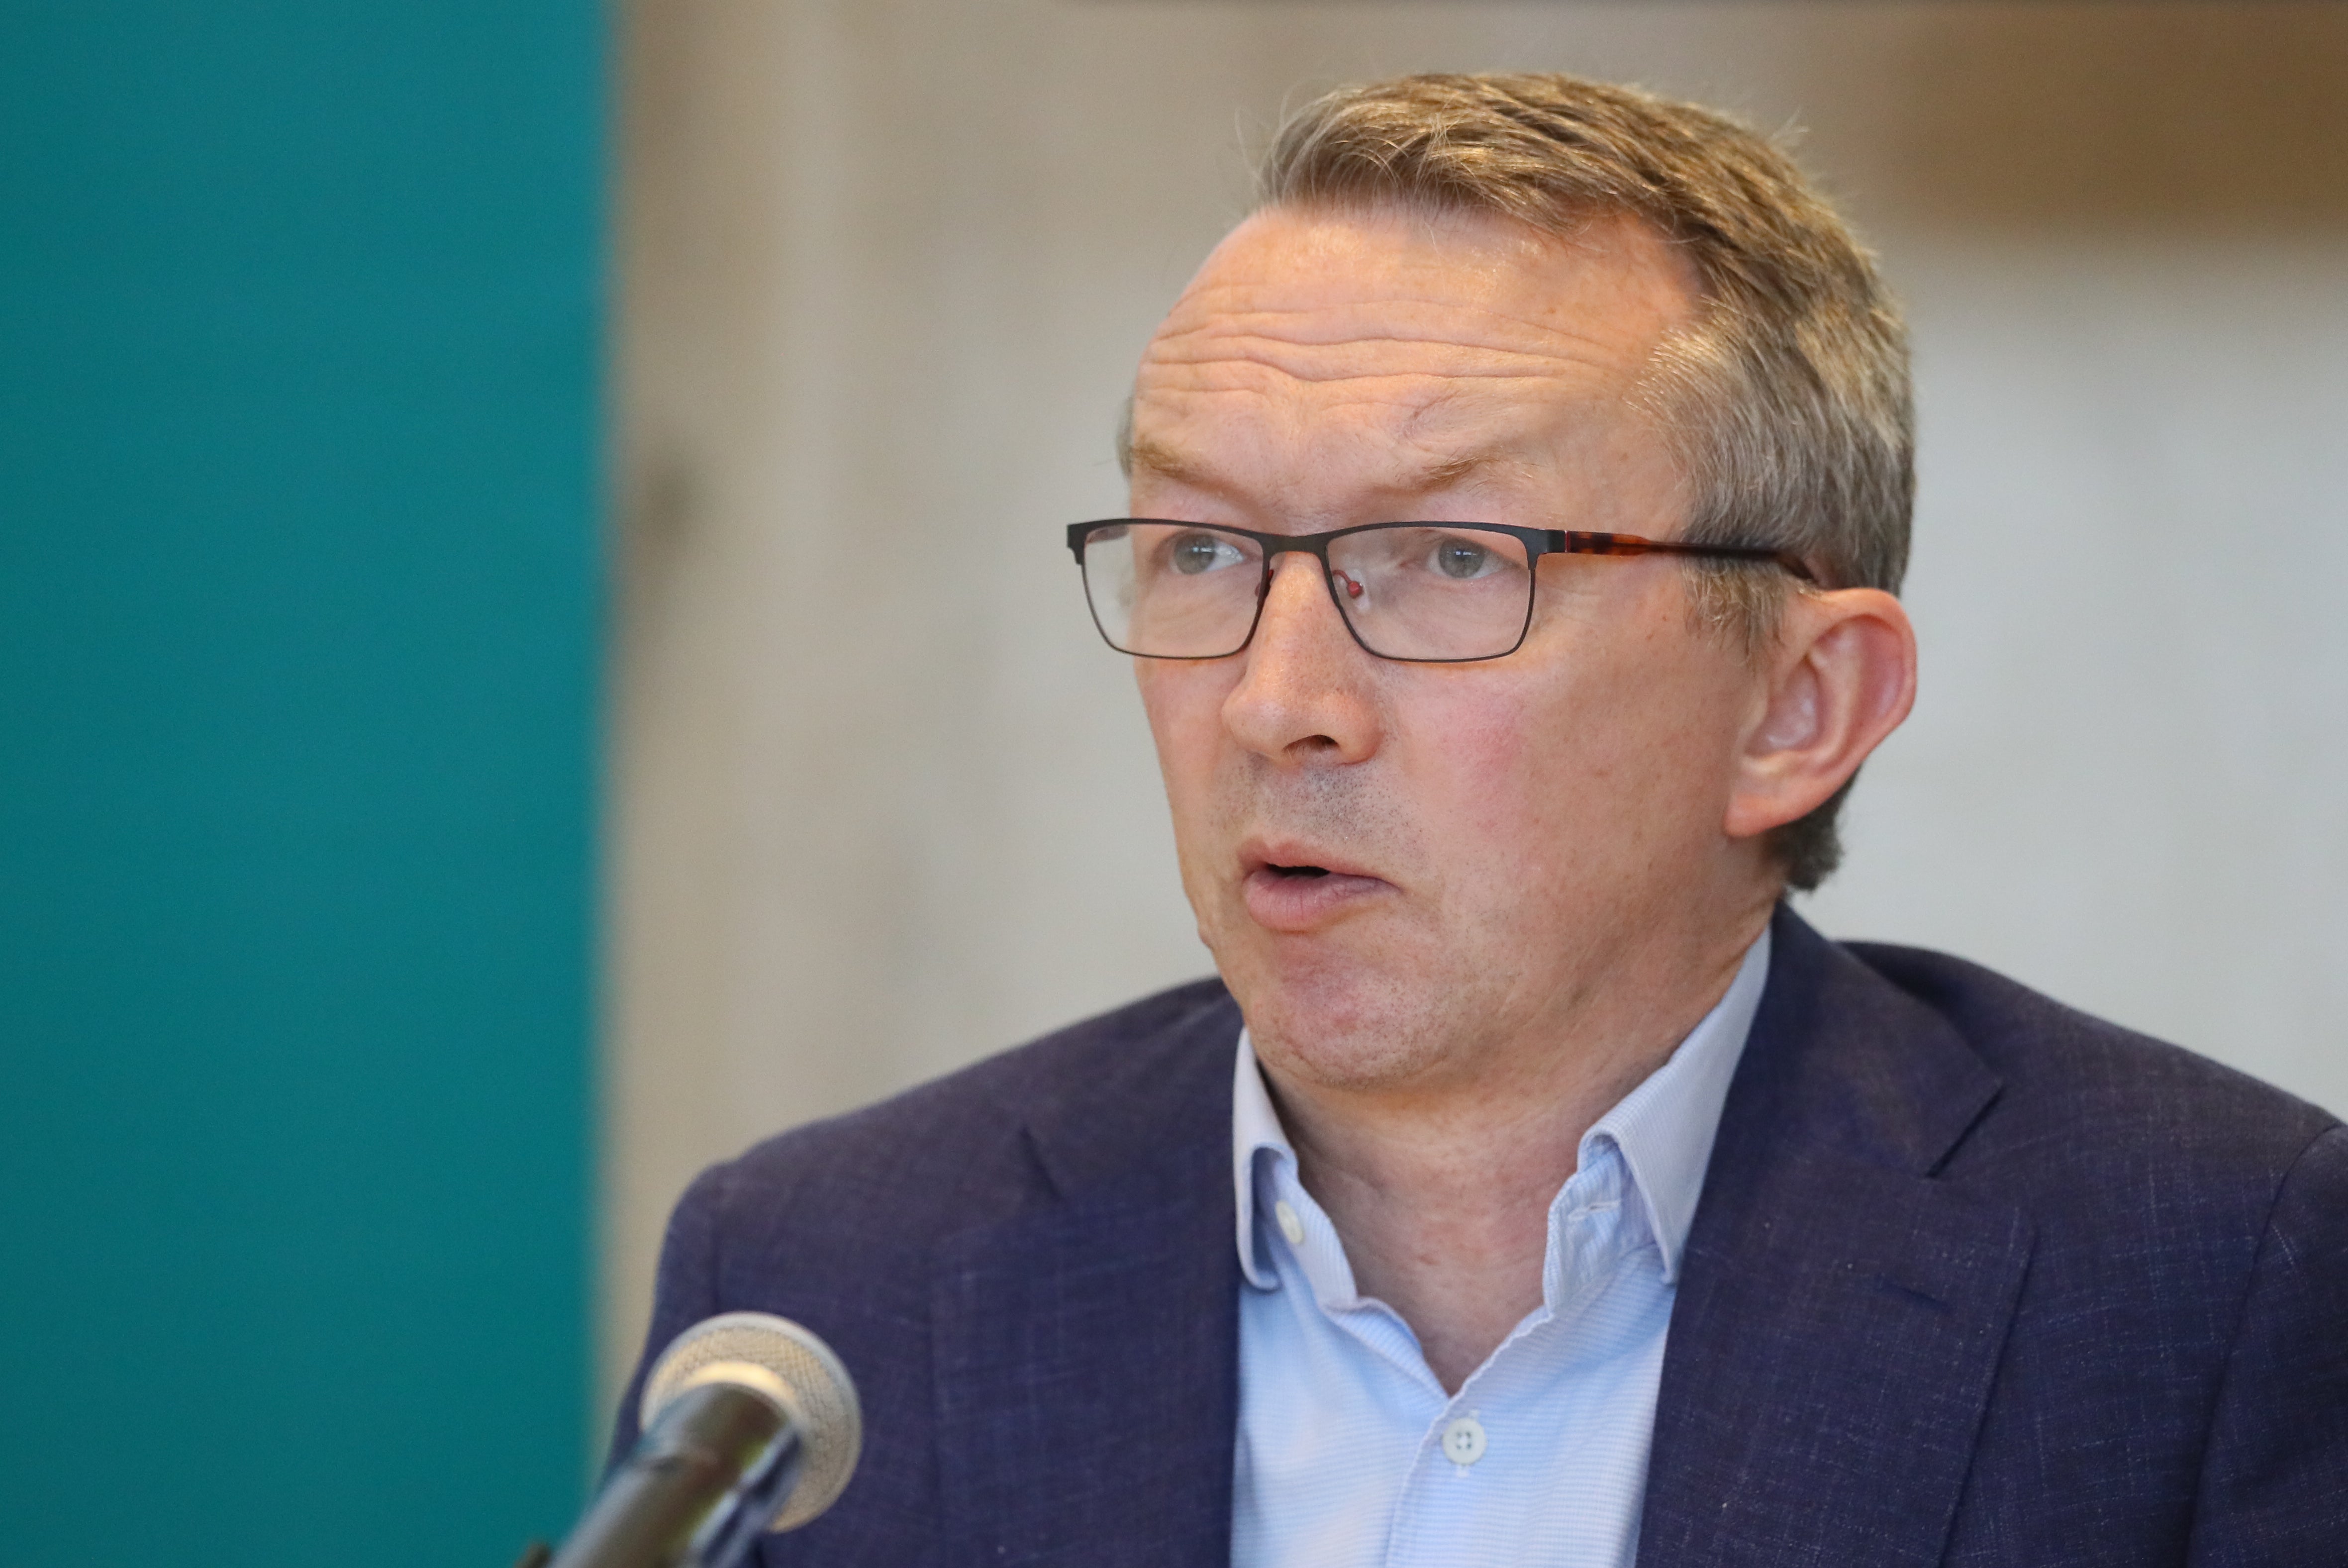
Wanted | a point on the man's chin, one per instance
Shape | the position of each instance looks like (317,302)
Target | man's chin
(1333,1017)
(1363,1060)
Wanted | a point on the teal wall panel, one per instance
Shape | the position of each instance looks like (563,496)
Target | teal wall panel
(299,605)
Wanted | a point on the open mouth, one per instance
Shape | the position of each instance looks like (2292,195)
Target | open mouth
(1299,895)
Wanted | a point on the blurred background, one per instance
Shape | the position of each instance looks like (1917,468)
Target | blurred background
(534,649)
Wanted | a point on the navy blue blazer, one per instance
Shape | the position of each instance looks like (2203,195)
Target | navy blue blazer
(1975,1279)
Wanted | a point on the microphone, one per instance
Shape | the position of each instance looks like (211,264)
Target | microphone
(750,1424)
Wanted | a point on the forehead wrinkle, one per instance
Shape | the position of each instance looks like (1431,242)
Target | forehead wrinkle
(1300,365)
(1463,432)
(1301,343)
(1397,314)
(1466,427)
(1224,351)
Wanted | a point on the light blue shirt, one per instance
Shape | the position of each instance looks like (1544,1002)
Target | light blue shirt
(1349,1452)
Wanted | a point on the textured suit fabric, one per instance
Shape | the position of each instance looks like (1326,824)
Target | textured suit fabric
(1975,1279)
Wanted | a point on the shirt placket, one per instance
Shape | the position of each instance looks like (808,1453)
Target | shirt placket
(1466,1465)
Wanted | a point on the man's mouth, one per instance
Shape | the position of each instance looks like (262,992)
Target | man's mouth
(1301,891)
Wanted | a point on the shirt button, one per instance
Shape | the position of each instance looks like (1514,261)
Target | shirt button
(1289,1225)
(1463,1441)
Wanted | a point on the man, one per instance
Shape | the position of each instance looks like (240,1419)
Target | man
(1518,497)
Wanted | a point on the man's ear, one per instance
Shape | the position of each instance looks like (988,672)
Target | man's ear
(1841,677)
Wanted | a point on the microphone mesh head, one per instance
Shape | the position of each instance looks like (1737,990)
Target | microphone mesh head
(824,1410)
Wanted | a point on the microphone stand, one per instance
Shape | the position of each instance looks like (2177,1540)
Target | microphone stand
(703,1482)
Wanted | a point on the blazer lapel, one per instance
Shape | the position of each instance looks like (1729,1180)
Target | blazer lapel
(1840,1312)
(1087,1349)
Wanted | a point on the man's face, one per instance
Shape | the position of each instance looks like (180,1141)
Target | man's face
(1498,837)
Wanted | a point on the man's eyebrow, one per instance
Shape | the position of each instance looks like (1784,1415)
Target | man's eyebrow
(1170,463)
(1143,452)
(1449,472)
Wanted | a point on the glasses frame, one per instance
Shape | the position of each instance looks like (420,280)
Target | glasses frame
(1537,541)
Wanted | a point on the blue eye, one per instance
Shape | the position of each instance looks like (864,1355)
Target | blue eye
(1458,558)
(1201,552)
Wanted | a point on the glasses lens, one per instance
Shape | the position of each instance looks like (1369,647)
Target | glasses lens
(1422,591)
(1172,590)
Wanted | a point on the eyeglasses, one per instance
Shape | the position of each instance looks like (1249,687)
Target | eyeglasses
(1433,592)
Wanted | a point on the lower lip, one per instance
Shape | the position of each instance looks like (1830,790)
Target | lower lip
(1300,904)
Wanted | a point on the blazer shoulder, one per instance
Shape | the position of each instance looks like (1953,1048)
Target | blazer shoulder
(963,1149)
(2093,1085)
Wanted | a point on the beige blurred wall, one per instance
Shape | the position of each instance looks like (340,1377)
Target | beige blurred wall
(881,803)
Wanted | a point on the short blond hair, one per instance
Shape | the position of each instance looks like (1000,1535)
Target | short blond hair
(1787,401)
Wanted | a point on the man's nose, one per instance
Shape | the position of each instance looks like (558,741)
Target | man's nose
(1305,695)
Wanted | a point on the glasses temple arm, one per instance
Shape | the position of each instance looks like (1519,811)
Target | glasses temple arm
(1577,543)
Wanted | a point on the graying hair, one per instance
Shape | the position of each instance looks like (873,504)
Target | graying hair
(1785,401)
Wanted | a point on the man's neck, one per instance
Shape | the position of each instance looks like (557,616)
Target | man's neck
(1442,1194)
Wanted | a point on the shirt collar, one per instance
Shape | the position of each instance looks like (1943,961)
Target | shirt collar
(1255,1125)
(1664,1128)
